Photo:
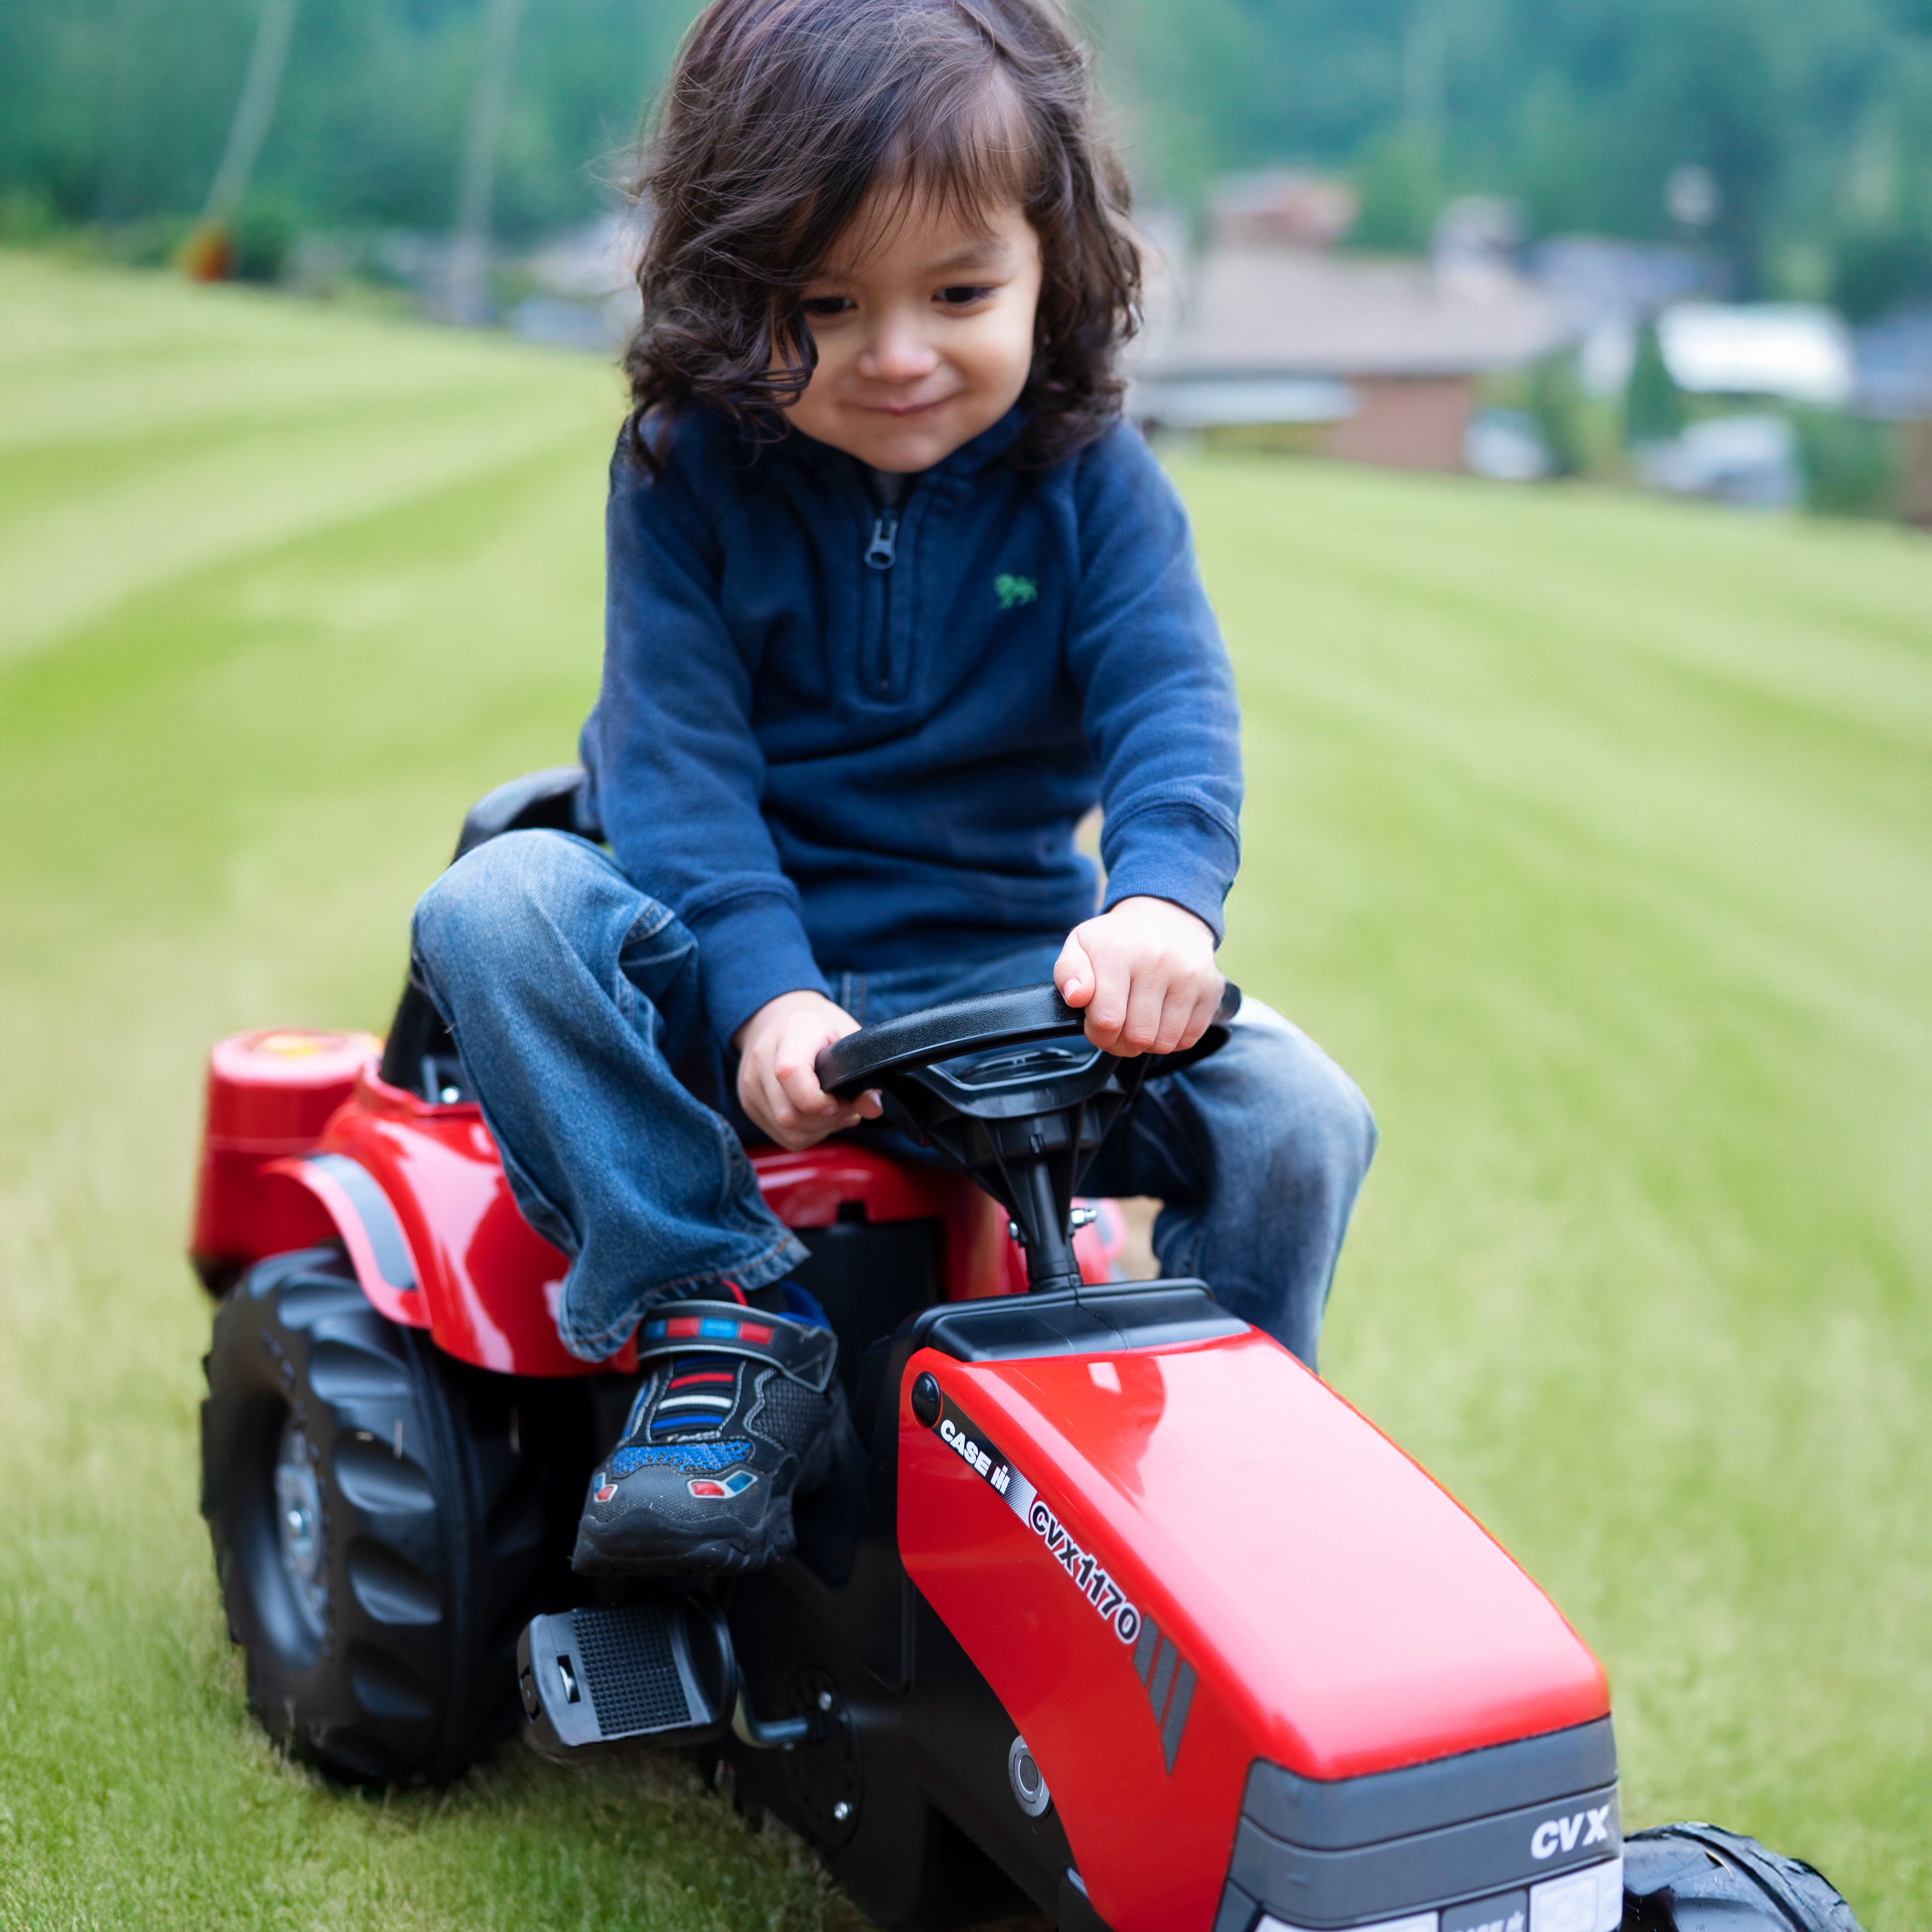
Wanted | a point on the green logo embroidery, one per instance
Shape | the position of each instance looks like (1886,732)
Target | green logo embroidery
(1015,590)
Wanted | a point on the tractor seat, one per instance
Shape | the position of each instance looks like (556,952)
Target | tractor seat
(420,1056)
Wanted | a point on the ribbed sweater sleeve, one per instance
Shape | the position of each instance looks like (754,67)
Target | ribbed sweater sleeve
(1159,706)
(678,769)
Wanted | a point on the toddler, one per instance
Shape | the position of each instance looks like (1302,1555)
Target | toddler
(895,598)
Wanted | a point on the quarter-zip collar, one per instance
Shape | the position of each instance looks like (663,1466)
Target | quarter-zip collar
(949,479)
(888,491)
(882,552)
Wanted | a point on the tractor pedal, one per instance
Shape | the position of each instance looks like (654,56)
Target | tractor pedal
(662,1671)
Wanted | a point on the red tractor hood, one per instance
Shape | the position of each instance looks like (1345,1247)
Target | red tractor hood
(1170,1564)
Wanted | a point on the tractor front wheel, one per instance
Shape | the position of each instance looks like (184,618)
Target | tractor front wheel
(385,1520)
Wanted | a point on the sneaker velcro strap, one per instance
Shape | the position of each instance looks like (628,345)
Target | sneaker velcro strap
(803,1352)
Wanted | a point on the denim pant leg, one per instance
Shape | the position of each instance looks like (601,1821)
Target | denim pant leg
(570,993)
(1257,1153)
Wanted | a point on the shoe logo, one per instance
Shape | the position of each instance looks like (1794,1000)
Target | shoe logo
(735,1484)
(706,1328)
(1011,590)
(1560,1834)
(605,1490)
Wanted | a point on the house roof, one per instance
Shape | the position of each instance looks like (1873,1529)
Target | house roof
(1285,311)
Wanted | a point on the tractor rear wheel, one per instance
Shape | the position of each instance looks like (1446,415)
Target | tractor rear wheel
(385,1521)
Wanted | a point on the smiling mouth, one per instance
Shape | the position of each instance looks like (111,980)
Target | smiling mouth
(901,409)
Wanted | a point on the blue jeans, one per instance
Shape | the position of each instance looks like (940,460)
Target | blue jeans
(573,998)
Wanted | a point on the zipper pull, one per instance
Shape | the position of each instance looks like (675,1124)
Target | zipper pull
(879,552)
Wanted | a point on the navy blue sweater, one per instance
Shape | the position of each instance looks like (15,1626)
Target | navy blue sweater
(820,764)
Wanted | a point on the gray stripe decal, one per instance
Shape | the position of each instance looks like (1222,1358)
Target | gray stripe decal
(378,1218)
(1177,1713)
(1143,1650)
(1159,1665)
(1163,1675)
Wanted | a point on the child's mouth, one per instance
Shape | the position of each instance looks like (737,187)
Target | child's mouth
(900,409)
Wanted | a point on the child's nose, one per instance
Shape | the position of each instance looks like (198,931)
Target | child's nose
(897,351)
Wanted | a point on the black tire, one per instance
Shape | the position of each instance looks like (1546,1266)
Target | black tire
(1699,1878)
(385,1521)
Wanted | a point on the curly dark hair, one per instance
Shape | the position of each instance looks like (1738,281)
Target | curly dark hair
(780,117)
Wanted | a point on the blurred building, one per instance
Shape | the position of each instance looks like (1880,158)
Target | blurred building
(1750,461)
(1371,359)
(1795,351)
(1891,363)
(582,291)
(1606,290)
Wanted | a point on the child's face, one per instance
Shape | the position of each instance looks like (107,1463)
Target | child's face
(924,325)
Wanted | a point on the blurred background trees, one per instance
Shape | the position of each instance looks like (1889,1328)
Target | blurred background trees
(1792,137)
(115,111)
(1795,135)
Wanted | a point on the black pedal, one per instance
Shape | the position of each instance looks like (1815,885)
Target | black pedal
(662,1671)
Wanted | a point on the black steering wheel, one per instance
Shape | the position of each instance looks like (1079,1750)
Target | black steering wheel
(1006,1088)
(991,1023)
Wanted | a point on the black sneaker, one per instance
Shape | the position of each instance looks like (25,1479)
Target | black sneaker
(738,1411)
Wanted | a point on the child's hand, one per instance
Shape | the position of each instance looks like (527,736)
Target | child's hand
(776,1084)
(1144,970)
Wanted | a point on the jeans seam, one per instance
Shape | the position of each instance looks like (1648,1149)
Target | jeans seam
(664,916)
(644,926)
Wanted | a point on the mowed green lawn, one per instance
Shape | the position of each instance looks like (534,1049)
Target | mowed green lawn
(1592,835)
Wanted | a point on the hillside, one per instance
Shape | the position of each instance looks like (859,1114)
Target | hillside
(1589,832)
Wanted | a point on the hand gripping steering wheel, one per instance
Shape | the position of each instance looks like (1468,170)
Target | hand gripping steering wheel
(1005,1087)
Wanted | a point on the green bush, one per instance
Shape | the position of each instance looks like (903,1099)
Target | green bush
(1850,463)
(1557,405)
(1653,409)
(262,238)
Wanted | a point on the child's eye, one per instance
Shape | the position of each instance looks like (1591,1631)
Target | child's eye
(825,305)
(964,294)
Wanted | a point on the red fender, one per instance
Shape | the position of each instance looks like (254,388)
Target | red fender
(360,1216)
(305,1140)
(486,1282)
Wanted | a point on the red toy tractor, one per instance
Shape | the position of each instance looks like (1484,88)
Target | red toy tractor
(1111,1605)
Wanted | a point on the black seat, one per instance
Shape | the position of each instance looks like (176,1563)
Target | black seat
(419,1054)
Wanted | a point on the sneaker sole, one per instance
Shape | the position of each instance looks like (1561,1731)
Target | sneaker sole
(711,1556)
